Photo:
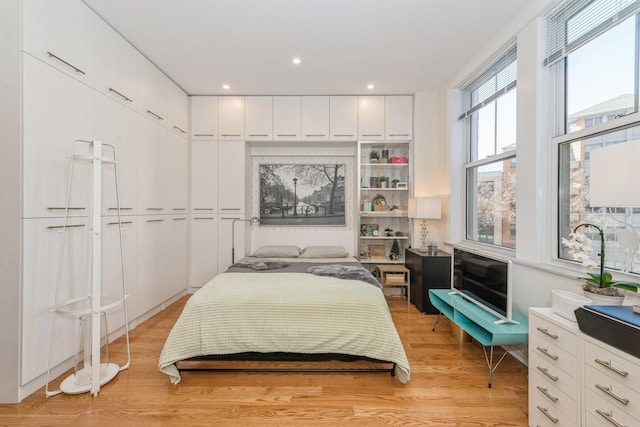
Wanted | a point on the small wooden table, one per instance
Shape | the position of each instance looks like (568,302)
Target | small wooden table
(395,276)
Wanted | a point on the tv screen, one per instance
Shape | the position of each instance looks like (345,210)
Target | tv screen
(484,280)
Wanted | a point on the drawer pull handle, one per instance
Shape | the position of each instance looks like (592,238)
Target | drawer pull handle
(546,353)
(125,97)
(51,227)
(545,391)
(546,413)
(610,392)
(609,417)
(123,223)
(609,366)
(547,333)
(76,69)
(180,130)
(547,374)
(154,115)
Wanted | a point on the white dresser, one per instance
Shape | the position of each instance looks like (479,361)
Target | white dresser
(577,380)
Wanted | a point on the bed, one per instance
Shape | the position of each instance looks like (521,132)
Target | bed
(264,308)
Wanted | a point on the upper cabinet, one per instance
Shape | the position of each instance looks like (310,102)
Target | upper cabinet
(398,117)
(286,118)
(152,91)
(343,119)
(314,118)
(371,118)
(61,34)
(204,117)
(116,65)
(258,118)
(177,109)
(231,118)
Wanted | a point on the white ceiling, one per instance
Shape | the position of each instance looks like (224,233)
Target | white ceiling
(402,46)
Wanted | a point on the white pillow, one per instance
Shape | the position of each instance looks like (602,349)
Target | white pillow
(277,251)
(324,252)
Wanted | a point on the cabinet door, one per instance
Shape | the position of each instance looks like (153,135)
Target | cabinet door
(152,91)
(231,244)
(177,174)
(118,126)
(286,118)
(60,33)
(314,118)
(231,118)
(231,164)
(41,254)
(204,117)
(177,109)
(152,167)
(371,118)
(398,117)
(57,111)
(344,118)
(112,272)
(204,249)
(258,118)
(204,176)
(116,68)
(152,258)
(177,242)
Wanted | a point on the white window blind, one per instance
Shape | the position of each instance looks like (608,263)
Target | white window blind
(576,22)
(496,80)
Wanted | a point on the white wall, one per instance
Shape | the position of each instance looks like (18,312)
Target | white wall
(10,191)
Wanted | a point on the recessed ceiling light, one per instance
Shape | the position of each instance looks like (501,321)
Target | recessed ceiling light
(370,86)
(296,60)
(226,87)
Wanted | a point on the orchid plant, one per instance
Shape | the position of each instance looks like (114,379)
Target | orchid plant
(581,248)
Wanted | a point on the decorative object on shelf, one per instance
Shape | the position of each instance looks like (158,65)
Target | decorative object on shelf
(425,208)
(401,184)
(377,252)
(395,251)
(374,156)
(388,232)
(380,203)
(432,244)
(580,246)
(252,221)
(366,206)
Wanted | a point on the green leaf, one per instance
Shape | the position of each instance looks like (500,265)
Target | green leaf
(628,286)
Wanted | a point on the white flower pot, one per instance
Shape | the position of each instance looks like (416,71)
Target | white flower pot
(603,299)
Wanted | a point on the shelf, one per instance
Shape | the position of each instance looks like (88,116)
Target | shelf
(384,164)
(384,237)
(393,214)
(380,261)
(82,305)
(383,189)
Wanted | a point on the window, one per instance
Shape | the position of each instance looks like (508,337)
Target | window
(489,118)
(592,53)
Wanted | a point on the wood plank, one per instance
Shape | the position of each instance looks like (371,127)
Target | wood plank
(448,386)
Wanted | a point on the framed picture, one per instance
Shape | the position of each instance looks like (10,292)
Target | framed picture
(302,194)
(401,185)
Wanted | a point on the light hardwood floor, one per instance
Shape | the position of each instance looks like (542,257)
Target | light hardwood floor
(448,387)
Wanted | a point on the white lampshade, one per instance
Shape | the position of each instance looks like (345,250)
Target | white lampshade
(425,208)
(613,175)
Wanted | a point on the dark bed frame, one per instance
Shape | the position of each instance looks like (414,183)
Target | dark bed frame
(284,357)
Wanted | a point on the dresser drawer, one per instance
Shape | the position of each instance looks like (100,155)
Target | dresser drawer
(617,365)
(598,412)
(549,331)
(543,415)
(613,395)
(553,374)
(545,394)
(553,355)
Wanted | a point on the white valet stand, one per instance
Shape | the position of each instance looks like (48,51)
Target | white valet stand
(94,304)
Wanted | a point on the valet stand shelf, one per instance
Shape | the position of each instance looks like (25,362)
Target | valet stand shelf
(481,325)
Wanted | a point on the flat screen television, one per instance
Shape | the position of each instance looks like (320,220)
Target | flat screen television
(483,279)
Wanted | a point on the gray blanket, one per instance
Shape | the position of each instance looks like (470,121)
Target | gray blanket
(345,272)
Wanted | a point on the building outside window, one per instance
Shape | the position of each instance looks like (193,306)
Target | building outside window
(489,120)
(592,57)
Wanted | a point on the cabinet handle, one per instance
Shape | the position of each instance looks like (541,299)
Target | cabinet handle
(609,417)
(547,333)
(155,209)
(545,391)
(316,134)
(204,217)
(371,134)
(548,375)
(202,134)
(256,135)
(343,134)
(155,220)
(229,209)
(76,69)
(230,134)
(610,392)
(609,366)
(546,353)
(123,222)
(177,128)
(398,134)
(154,115)
(546,413)
(202,209)
(287,134)
(179,209)
(122,209)
(179,219)
(126,98)
(75,208)
(51,227)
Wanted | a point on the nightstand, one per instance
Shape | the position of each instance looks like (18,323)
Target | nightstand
(395,276)
(427,272)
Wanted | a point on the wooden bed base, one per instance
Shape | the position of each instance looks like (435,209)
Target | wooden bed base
(284,362)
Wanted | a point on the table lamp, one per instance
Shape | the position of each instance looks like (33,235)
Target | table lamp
(425,208)
(252,221)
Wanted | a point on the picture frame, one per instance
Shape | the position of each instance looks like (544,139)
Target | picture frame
(402,185)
